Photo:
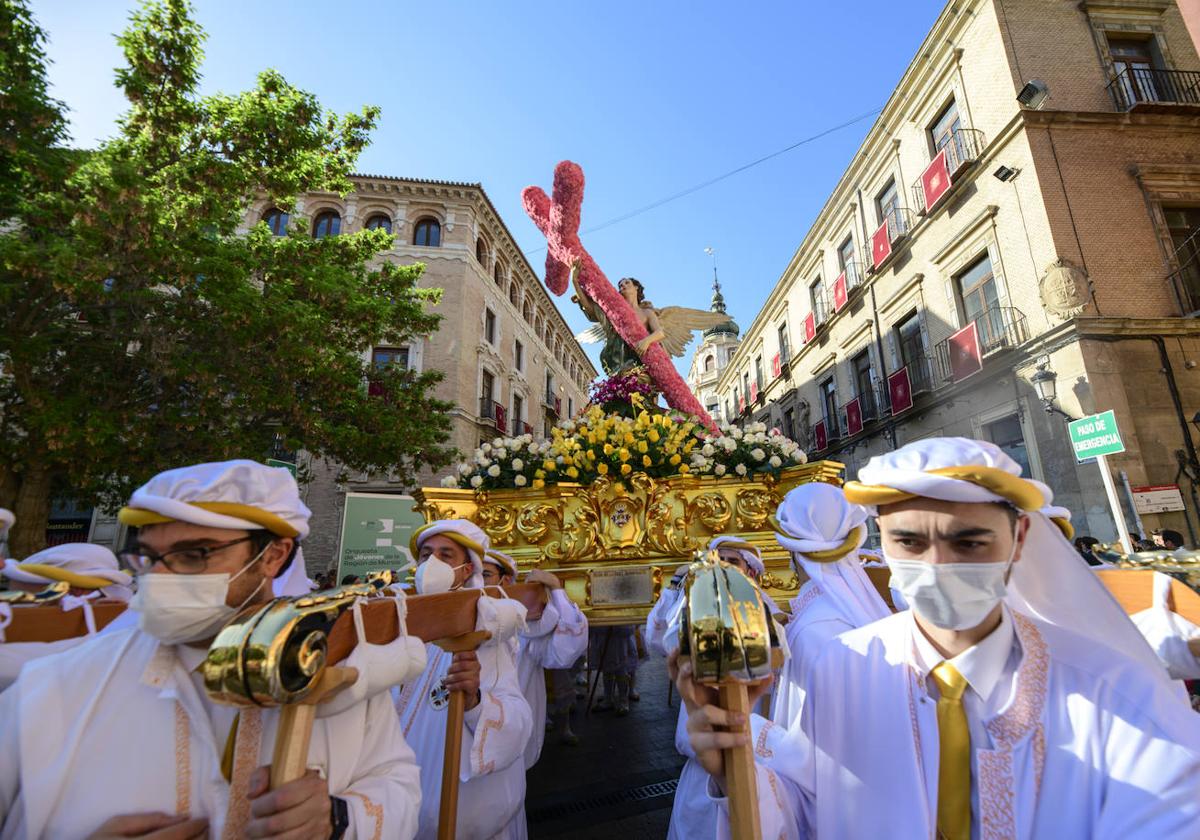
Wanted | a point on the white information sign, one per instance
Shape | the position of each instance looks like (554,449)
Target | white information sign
(1160,498)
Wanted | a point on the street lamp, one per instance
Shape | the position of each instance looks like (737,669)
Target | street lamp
(1045,382)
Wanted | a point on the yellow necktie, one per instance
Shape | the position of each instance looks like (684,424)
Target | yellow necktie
(954,763)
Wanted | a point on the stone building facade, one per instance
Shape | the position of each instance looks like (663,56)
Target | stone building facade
(511,364)
(1025,209)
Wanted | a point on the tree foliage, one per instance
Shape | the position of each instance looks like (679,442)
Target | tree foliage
(143,327)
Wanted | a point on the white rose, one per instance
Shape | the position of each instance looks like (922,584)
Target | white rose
(518,464)
(799,457)
(707,450)
(464,469)
(730,444)
(517,444)
(736,432)
(758,454)
(775,462)
(483,462)
(719,469)
(501,453)
(494,470)
(477,481)
(497,443)
(520,480)
(449,481)
(740,469)
(486,448)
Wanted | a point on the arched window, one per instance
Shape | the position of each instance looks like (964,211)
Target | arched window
(709,363)
(327,223)
(277,221)
(498,274)
(514,294)
(481,251)
(428,232)
(527,312)
(379,221)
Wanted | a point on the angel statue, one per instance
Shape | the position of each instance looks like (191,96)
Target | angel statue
(671,326)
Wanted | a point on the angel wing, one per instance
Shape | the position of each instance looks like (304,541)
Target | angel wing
(591,335)
(678,322)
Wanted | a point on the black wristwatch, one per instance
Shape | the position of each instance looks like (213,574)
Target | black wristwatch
(339,817)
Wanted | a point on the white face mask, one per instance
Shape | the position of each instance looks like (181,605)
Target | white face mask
(435,576)
(186,608)
(952,596)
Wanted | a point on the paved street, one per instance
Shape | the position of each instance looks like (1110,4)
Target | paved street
(620,780)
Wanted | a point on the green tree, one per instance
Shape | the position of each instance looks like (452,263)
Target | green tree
(140,329)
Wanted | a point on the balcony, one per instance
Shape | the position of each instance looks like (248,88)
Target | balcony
(870,406)
(1151,89)
(941,176)
(998,328)
(1186,281)
(846,284)
(896,225)
(493,412)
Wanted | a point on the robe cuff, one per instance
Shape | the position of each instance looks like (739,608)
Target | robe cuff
(471,716)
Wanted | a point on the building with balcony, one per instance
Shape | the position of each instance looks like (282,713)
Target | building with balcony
(712,356)
(511,364)
(1024,213)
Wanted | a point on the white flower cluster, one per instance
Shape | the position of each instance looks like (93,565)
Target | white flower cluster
(743,450)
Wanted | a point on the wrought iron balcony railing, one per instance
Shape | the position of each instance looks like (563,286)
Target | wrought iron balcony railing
(1142,86)
(998,328)
(962,148)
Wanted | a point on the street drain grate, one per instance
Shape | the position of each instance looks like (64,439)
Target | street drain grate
(608,800)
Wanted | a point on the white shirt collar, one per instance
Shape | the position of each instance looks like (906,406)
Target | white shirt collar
(981,665)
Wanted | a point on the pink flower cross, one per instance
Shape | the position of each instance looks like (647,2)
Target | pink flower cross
(558,219)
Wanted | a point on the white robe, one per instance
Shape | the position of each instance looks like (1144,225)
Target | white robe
(1090,745)
(118,725)
(556,640)
(491,793)
(814,622)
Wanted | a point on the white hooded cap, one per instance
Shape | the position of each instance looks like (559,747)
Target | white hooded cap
(464,532)
(83,565)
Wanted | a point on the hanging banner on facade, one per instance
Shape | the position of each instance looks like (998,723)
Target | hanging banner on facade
(900,390)
(501,419)
(935,182)
(820,436)
(966,356)
(881,245)
(376,528)
(854,419)
(810,327)
(777,366)
(840,294)
(753,392)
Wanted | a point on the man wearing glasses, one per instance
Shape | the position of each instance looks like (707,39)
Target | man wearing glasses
(117,738)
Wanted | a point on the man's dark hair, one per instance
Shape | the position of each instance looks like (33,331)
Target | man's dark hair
(1173,537)
(1086,543)
(261,538)
(347,580)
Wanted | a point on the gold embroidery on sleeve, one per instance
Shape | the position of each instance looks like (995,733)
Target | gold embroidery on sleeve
(760,747)
(183,762)
(481,738)
(374,811)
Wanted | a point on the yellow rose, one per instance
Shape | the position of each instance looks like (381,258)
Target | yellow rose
(539,474)
(654,435)
(684,470)
(629,437)
(675,459)
(608,449)
(642,446)
(549,466)
(572,472)
(602,469)
(626,469)
(646,461)
(623,454)
(538,484)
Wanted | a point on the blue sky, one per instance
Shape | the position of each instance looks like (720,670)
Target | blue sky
(650,98)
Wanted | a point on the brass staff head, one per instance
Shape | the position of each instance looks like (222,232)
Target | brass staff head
(1182,564)
(724,627)
(274,655)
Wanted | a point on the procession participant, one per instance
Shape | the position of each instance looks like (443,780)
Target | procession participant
(823,533)
(980,712)
(210,538)
(92,572)
(498,721)
(7,520)
(693,814)
(613,652)
(555,638)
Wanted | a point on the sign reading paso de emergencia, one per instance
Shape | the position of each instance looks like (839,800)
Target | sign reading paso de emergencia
(375,531)
(1095,435)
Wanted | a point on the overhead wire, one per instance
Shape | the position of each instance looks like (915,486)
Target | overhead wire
(717,179)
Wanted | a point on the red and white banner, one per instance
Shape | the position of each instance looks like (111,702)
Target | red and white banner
(839,292)
(501,419)
(966,356)
(810,327)
(935,181)
(777,366)
(753,392)
(854,421)
(820,437)
(881,245)
(900,390)
(741,403)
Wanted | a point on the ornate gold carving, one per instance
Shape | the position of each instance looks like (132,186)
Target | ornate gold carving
(712,510)
(754,505)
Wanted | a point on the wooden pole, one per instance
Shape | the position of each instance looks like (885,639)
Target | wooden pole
(455,713)
(739,770)
(289,761)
